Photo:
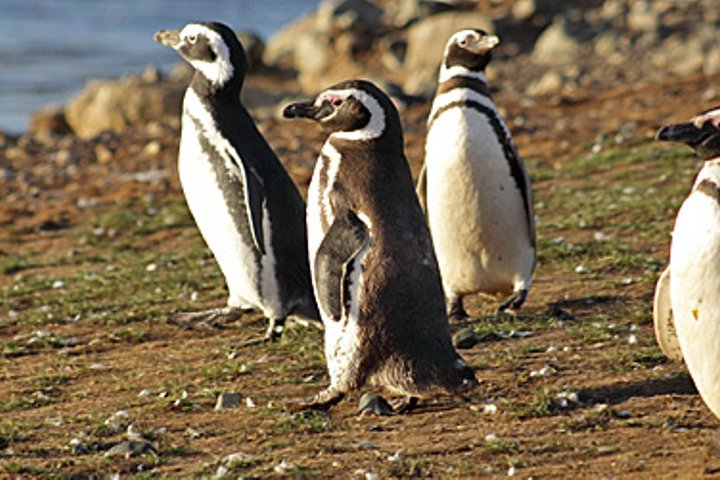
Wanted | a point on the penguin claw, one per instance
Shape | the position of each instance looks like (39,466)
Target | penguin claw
(324,400)
(213,318)
(513,304)
(404,405)
(273,333)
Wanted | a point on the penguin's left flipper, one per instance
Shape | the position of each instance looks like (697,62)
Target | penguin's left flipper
(421,188)
(254,190)
(663,323)
(334,262)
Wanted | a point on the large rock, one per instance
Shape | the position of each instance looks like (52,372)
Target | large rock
(556,45)
(426,41)
(325,46)
(117,104)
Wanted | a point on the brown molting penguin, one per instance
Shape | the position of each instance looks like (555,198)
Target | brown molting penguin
(373,266)
(474,186)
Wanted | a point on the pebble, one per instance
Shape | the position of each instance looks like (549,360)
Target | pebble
(374,403)
(282,467)
(236,458)
(131,448)
(118,421)
(490,409)
(581,269)
(228,400)
(144,393)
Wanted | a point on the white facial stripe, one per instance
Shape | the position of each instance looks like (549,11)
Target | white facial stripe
(465,94)
(219,71)
(459,71)
(375,126)
(712,116)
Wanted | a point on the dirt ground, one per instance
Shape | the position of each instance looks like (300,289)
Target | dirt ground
(91,267)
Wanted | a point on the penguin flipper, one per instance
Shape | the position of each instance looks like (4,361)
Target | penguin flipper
(665,333)
(334,261)
(254,191)
(421,188)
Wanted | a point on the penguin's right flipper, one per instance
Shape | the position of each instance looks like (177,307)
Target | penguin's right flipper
(421,188)
(334,261)
(665,333)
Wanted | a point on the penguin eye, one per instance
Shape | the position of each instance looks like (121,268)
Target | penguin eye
(191,39)
(337,102)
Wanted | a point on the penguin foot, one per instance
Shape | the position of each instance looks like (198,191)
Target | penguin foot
(273,333)
(213,318)
(404,405)
(513,303)
(323,400)
(456,311)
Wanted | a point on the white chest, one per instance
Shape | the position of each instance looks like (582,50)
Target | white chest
(694,287)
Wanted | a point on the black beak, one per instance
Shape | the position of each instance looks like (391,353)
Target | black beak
(704,140)
(307,110)
(681,132)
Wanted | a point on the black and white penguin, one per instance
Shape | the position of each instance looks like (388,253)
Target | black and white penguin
(246,206)
(694,268)
(473,184)
(374,271)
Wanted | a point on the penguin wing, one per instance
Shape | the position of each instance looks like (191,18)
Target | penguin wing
(335,260)
(421,188)
(665,333)
(522,180)
(254,192)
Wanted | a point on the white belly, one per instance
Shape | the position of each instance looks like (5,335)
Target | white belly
(475,211)
(694,287)
(341,337)
(235,255)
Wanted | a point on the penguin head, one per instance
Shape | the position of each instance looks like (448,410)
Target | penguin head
(211,48)
(702,134)
(471,49)
(355,109)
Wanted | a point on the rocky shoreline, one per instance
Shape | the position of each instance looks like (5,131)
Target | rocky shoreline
(552,53)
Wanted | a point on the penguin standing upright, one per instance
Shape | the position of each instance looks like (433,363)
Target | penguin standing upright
(244,203)
(473,184)
(694,268)
(374,270)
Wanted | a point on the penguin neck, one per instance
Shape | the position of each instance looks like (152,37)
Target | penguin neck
(446,73)
(228,91)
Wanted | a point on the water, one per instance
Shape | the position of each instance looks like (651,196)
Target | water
(50,48)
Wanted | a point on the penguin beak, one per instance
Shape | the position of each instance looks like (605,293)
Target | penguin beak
(169,38)
(307,110)
(488,42)
(681,132)
(704,140)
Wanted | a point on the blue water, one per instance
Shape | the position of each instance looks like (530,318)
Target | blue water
(50,48)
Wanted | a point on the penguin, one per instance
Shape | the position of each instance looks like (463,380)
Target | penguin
(473,184)
(372,262)
(694,266)
(245,205)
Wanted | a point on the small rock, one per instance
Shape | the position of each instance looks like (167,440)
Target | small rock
(550,83)
(221,471)
(374,403)
(131,448)
(118,421)
(366,445)
(228,400)
(490,409)
(236,458)
(465,338)
(282,467)
(144,393)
